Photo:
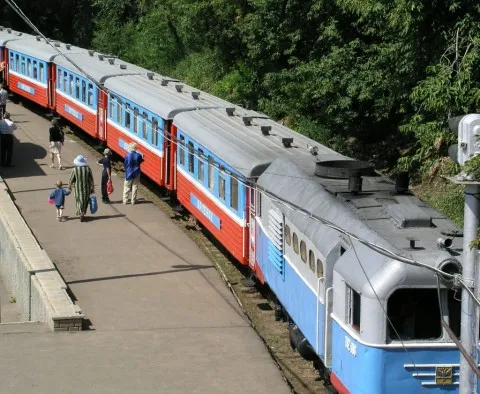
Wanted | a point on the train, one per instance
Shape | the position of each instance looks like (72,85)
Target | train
(368,322)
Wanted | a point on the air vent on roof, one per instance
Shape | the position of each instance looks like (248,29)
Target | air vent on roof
(9,30)
(111,60)
(123,66)
(266,130)
(355,182)
(100,56)
(402,181)
(57,44)
(68,46)
(342,168)
(230,111)
(2,28)
(164,82)
(405,216)
(19,34)
(38,38)
(90,52)
(195,95)
(179,88)
(150,75)
(287,142)
(247,120)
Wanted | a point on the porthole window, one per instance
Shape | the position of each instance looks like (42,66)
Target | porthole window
(319,269)
(295,243)
(288,235)
(303,251)
(311,260)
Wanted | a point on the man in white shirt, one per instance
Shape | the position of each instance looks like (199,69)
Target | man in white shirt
(7,127)
(3,100)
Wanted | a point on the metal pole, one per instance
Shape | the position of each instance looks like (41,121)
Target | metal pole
(469,318)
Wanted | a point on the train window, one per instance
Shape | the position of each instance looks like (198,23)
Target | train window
(111,106)
(303,251)
(201,166)
(295,243)
(288,235)
(77,88)
(35,69)
(221,187)
(414,314)
(353,308)
(145,125)
(17,62)
(65,82)
(181,148)
(59,79)
(127,116)
(42,72)
(211,174)
(319,269)
(90,95)
(29,67)
(23,66)
(311,260)
(84,91)
(154,131)
(234,193)
(72,90)
(119,112)
(259,204)
(136,120)
(191,157)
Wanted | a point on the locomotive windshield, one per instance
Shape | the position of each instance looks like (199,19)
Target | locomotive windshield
(415,314)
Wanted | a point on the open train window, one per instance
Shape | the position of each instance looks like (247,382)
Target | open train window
(303,251)
(35,69)
(127,116)
(201,166)
(234,193)
(221,187)
(59,79)
(90,94)
(136,121)
(288,235)
(111,106)
(319,269)
(41,77)
(353,308)
(154,131)
(181,148)
(311,260)
(84,91)
(191,157)
(145,125)
(211,174)
(295,243)
(414,314)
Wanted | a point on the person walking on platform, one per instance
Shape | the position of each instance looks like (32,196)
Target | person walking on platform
(82,180)
(58,195)
(132,173)
(7,127)
(3,100)
(56,142)
(106,173)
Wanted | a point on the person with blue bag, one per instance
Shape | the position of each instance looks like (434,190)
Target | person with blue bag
(82,180)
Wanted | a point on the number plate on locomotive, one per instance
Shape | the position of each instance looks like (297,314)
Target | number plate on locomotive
(443,375)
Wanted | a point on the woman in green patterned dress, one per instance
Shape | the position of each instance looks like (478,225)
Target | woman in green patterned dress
(82,180)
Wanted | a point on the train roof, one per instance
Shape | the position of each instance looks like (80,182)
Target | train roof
(37,47)
(247,140)
(377,213)
(163,96)
(7,34)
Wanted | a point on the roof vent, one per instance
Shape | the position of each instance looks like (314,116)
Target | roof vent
(150,76)
(266,130)
(342,168)
(9,30)
(287,142)
(195,95)
(179,88)
(19,34)
(230,111)
(111,60)
(100,56)
(406,216)
(123,66)
(401,182)
(164,82)
(68,46)
(90,52)
(312,149)
(247,120)
(2,28)
(38,38)
(411,241)
(355,182)
(56,43)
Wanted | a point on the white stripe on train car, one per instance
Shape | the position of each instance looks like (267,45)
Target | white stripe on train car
(31,80)
(80,104)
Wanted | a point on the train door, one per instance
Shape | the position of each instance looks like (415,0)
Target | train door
(102,99)
(167,144)
(251,196)
(51,85)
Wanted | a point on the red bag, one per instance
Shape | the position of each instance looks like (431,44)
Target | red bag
(51,200)
(109,187)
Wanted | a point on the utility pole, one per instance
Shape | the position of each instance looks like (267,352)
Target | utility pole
(468,129)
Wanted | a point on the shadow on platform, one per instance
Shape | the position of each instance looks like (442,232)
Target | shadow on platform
(24,164)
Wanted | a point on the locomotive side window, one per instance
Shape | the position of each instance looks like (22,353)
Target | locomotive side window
(414,314)
(136,121)
(311,260)
(353,308)
(145,125)
(84,91)
(303,251)
(319,269)
(127,117)
(234,193)
(288,235)
(90,94)
(59,79)
(221,187)
(191,162)
(295,243)
(201,166)
(42,72)
(211,174)
(154,131)
(181,148)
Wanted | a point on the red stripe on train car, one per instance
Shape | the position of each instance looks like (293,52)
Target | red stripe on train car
(76,114)
(28,89)
(117,141)
(231,234)
(338,384)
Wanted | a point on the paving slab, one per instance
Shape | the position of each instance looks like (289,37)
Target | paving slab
(162,320)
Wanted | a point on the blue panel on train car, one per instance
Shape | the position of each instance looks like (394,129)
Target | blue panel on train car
(215,220)
(73,112)
(26,88)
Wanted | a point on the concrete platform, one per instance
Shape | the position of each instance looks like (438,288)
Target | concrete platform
(162,321)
